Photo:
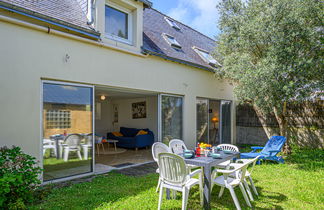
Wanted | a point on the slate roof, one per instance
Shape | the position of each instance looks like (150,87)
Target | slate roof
(69,11)
(155,25)
(73,13)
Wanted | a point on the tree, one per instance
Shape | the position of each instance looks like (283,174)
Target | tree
(272,51)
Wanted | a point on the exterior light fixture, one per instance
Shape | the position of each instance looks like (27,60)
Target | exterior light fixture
(102,97)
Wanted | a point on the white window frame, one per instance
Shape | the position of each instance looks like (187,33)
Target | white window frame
(129,24)
(172,23)
(176,45)
(199,51)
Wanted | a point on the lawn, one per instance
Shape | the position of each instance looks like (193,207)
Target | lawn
(298,184)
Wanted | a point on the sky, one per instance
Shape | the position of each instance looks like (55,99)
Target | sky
(201,15)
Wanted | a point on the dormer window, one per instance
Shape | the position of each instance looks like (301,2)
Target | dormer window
(172,23)
(206,56)
(118,24)
(171,40)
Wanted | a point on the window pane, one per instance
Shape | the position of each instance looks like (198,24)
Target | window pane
(67,130)
(116,22)
(202,120)
(171,115)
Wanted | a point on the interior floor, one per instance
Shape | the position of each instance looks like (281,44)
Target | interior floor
(123,157)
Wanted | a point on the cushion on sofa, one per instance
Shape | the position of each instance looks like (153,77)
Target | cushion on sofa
(117,133)
(128,132)
(142,132)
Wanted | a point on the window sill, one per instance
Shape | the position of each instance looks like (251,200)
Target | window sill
(118,39)
(122,47)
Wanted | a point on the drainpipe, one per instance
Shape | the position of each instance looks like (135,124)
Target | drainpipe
(90,12)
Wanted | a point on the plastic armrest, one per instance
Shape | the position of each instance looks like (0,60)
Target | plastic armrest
(241,161)
(256,147)
(224,171)
(193,173)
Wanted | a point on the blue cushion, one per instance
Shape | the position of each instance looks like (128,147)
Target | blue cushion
(128,132)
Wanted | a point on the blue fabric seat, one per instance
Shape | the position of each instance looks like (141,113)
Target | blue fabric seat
(130,139)
(269,151)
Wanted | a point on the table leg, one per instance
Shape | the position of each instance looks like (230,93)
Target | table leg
(167,190)
(103,148)
(115,147)
(58,152)
(207,186)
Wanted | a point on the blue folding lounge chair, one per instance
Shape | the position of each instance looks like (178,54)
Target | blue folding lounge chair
(269,151)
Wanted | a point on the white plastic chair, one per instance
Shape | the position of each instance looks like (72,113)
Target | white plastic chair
(175,175)
(225,181)
(158,148)
(72,144)
(227,147)
(251,162)
(49,144)
(177,147)
(87,145)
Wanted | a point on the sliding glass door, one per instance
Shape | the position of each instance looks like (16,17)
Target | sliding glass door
(67,130)
(213,121)
(226,122)
(171,115)
(202,120)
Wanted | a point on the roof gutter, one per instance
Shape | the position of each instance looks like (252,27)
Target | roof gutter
(53,21)
(149,52)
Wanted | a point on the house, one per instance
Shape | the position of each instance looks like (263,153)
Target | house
(92,67)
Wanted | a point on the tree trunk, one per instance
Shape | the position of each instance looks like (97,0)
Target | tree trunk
(283,125)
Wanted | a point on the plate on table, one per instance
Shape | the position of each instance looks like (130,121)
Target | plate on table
(228,151)
(188,155)
(215,155)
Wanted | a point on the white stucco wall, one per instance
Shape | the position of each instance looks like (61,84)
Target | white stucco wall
(27,56)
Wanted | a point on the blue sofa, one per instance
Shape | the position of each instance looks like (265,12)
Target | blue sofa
(130,139)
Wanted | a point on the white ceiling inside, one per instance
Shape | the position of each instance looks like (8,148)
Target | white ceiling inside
(119,93)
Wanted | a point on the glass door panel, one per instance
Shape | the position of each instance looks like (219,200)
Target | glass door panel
(202,120)
(171,126)
(226,122)
(214,110)
(67,130)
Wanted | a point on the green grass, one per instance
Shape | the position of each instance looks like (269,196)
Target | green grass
(298,184)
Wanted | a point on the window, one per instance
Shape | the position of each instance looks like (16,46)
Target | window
(58,119)
(171,40)
(206,56)
(118,24)
(172,23)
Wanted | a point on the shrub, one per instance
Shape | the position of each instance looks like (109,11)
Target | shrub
(18,178)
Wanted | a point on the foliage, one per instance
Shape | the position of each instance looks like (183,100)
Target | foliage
(281,186)
(272,50)
(18,178)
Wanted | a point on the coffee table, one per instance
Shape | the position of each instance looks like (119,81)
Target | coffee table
(112,141)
